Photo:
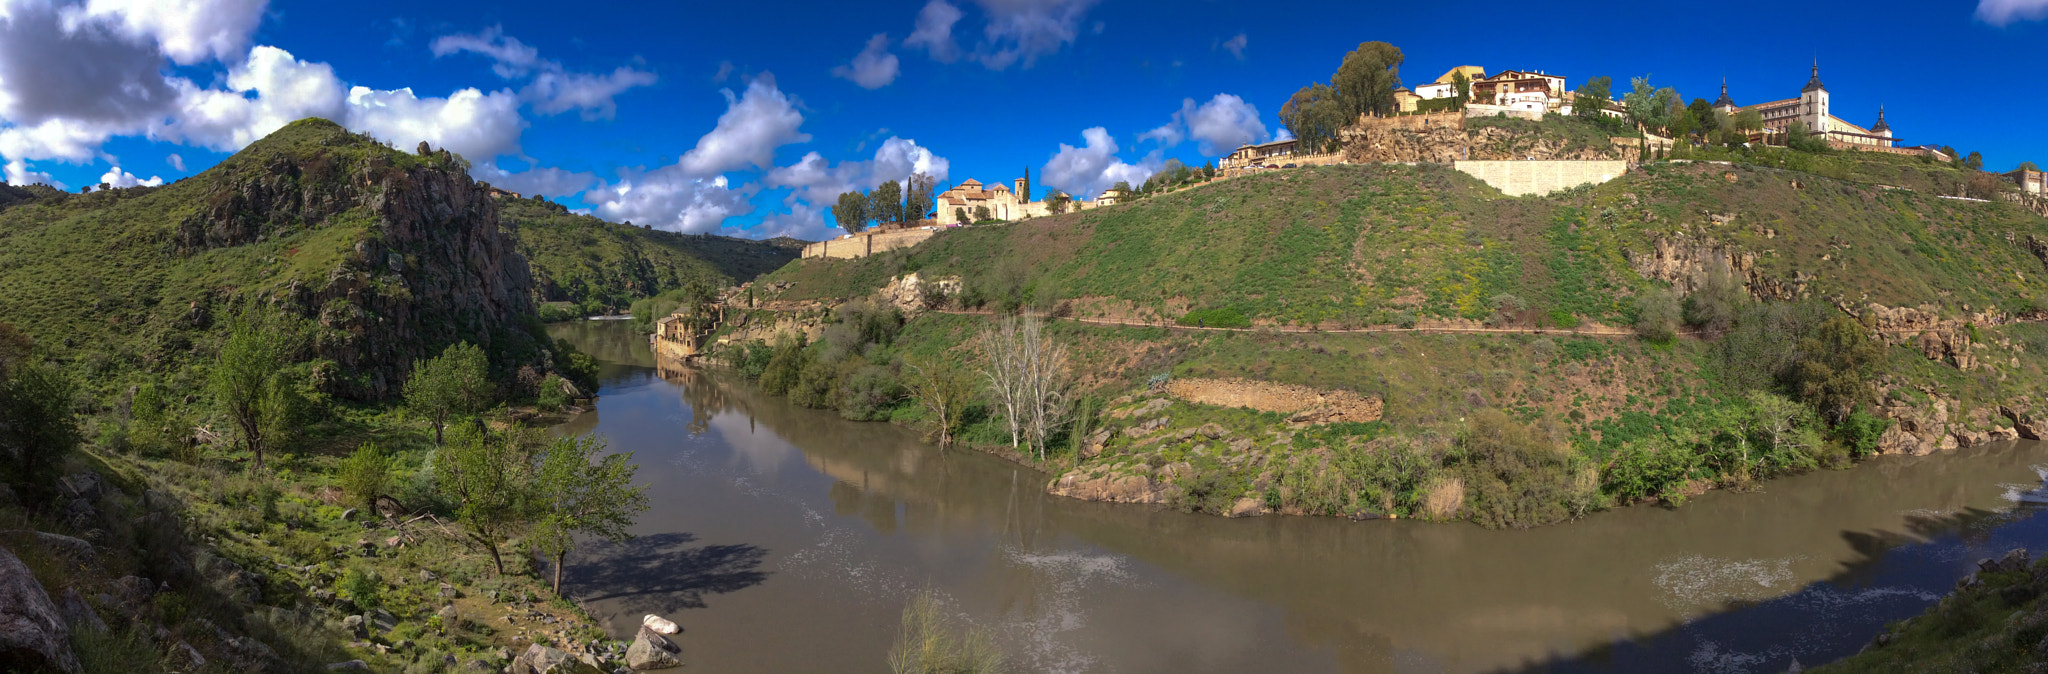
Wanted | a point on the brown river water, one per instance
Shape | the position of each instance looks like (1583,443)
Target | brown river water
(788,540)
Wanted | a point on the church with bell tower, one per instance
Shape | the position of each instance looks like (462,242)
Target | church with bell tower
(1812,110)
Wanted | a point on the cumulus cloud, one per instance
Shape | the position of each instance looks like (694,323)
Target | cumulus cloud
(669,198)
(873,68)
(1014,31)
(1220,125)
(754,124)
(269,90)
(469,122)
(188,31)
(175,162)
(1088,170)
(19,173)
(1283,134)
(934,31)
(543,181)
(1235,46)
(119,178)
(2007,12)
(815,183)
(77,68)
(554,89)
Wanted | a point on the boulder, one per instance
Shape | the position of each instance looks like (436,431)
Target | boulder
(75,548)
(660,625)
(349,666)
(134,589)
(381,619)
(354,625)
(651,650)
(1213,431)
(479,666)
(2025,423)
(540,659)
(1248,507)
(33,634)
(86,485)
(449,616)
(79,613)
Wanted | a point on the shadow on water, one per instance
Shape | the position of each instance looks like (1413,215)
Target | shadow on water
(1896,575)
(661,573)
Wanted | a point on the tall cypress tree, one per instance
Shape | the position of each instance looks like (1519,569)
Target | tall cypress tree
(1026,196)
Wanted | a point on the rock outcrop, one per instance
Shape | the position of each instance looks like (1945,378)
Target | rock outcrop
(540,659)
(1685,262)
(33,633)
(651,650)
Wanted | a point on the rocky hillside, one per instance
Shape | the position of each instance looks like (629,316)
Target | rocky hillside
(392,255)
(602,266)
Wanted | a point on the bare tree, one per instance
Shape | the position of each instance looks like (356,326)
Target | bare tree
(1028,376)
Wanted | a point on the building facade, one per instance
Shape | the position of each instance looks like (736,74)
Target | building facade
(1533,91)
(1813,109)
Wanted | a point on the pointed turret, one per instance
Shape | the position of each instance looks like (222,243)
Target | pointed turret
(1880,126)
(1725,102)
(1814,83)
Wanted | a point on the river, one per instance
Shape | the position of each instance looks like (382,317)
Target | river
(788,540)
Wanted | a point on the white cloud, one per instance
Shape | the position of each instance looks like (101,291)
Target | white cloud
(934,31)
(269,90)
(1086,171)
(85,69)
(119,178)
(1220,125)
(468,122)
(175,162)
(1283,134)
(188,31)
(1014,31)
(2008,12)
(748,133)
(1235,46)
(815,183)
(18,173)
(69,140)
(873,68)
(546,181)
(554,89)
(669,198)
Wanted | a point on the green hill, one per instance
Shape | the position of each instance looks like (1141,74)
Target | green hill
(393,256)
(1837,298)
(601,266)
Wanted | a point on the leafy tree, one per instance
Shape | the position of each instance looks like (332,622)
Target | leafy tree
(1461,88)
(249,380)
(918,195)
(943,391)
(38,424)
(1648,106)
(2027,166)
(1366,80)
(1657,314)
(1702,114)
(454,384)
(1123,187)
(981,213)
(580,492)
(1208,170)
(960,215)
(851,212)
(1590,102)
(1975,162)
(1717,301)
(1314,115)
(486,476)
(885,204)
(1835,367)
(1056,202)
(365,475)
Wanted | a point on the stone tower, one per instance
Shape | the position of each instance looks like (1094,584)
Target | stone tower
(1813,103)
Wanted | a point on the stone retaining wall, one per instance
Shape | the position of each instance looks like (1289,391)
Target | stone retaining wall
(863,245)
(1525,178)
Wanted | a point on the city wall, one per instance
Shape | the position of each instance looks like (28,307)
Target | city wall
(1525,178)
(863,245)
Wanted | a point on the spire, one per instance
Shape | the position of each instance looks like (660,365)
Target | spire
(1725,101)
(1814,83)
(1880,126)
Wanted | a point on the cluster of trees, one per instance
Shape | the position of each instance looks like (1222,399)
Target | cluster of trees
(1023,387)
(38,424)
(1364,84)
(890,202)
(1171,176)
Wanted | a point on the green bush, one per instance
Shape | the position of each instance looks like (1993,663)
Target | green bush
(365,475)
(1860,431)
(363,587)
(790,359)
(1515,476)
(870,393)
(550,396)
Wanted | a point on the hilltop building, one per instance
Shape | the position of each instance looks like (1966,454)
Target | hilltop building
(1003,202)
(1532,91)
(2029,180)
(1443,87)
(1811,108)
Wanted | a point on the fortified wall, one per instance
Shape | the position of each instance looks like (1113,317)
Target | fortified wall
(1437,138)
(1526,178)
(865,244)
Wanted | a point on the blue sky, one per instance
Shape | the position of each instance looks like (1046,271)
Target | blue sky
(749,117)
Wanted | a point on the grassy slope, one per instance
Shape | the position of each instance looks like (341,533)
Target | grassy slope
(1352,245)
(585,260)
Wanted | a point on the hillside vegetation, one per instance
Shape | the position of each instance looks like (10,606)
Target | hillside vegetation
(1794,312)
(601,267)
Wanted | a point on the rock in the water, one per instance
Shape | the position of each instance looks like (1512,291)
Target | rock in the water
(651,650)
(660,625)
(540,659)
(33,635)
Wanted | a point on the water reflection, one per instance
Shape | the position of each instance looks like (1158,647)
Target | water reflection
(838,522)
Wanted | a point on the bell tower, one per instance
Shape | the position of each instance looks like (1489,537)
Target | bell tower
(1813,103)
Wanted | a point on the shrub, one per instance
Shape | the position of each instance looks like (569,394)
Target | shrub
(780,374)
(1657,315)
(1716,303)
(869,393)
(1860,431)
(550,397)
(365,475)
(930,643)
(1515,476)
(817,384)
(362,587)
